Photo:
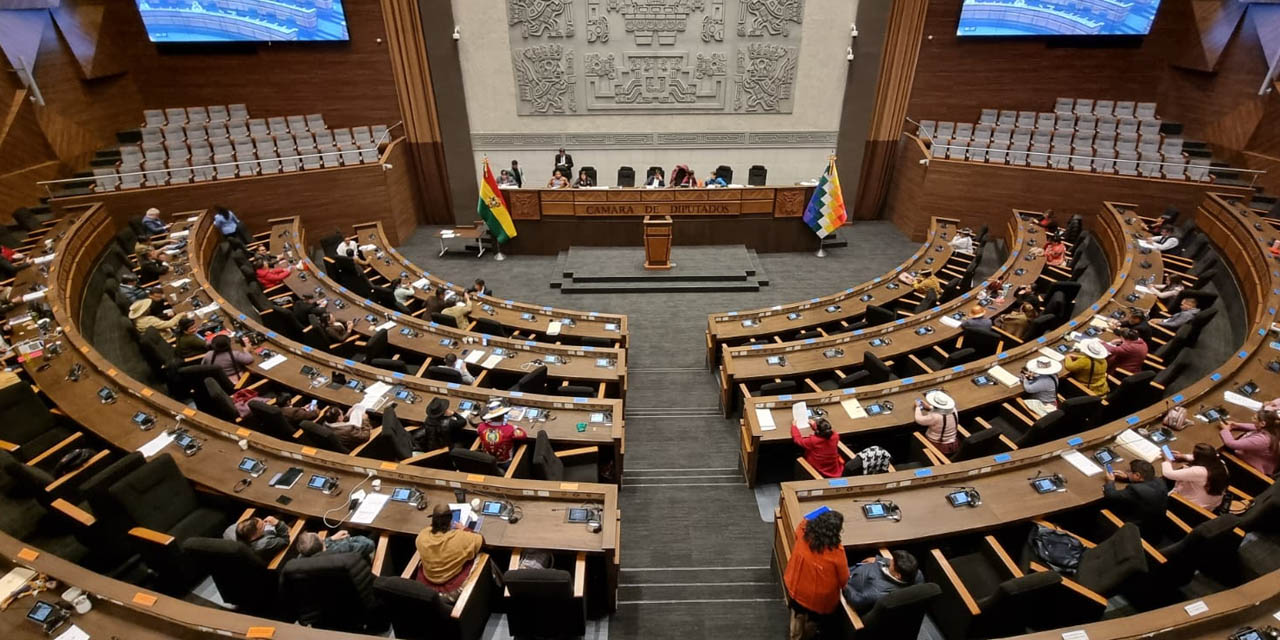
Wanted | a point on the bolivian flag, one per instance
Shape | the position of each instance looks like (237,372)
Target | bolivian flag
(825,212)
(493,209)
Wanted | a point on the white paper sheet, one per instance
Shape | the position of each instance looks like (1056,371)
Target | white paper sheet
(492,362)
(853,408)
(1144,289)
(44,259)
(207,309)
(369,508)
(949,321)
(17,320)
(474,356)
(374,392)
(553,328)
(33,296)
(467,515)
(178,283)
(73,633)
(267,364)
(14,580)
(765,418)
(154,446)
(178,235)
(1003,376)
(388,325)
(1138,446)
(800,414)
(1099,322)
(421,283)
(1241,400)
(1078,634)
(1051,353)
(1081,463)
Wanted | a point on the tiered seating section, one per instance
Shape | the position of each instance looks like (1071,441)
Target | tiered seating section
(197,144)
(1081,134)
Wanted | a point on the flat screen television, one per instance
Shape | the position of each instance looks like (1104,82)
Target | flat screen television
(243,20)
(1004,18)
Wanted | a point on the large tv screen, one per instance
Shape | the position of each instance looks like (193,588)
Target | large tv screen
(1056,17)
(243,20)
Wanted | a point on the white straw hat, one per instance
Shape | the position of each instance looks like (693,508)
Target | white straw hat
(940,401)
(1044,366)
(1093,348)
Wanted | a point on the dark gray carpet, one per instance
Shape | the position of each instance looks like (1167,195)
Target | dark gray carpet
(695,552)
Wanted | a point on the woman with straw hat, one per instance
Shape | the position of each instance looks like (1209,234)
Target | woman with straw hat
(937,412)
(1040,383)
(1088,365)
(977,319)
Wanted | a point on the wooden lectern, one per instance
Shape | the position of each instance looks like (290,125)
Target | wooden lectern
(657,242)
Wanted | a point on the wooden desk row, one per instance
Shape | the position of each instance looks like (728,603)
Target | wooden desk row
(1110,228)
(563,413)
(605,367)
(807,357)
(388,263)
(757,325)
(1002,480)
(223,444)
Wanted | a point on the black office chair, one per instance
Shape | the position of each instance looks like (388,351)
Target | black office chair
(398,366)
(542,604)
(756,175)
(321,436)
(216,402)
(575,391)
(591,173)
(268,419)
(979,444)
(1172,370)
(468,461)
(377,347)
(1040,324)
(444,374)
(959,356)
(489,327)
(387,298)
(1082,411)
(242,578)
(899,614)
(442,319)
(877,315)
(626,177)
(392,442)
(418,612)
(1174,346)
(1210,548)
(777,388)
(1133,393)
(27,422)
(929,301)
(1051,426)
(1007,606)
(725,172)
(548,466)
(845,382)
(333,591)
(600,343)
(1198,323)
(533,382)
(880,372)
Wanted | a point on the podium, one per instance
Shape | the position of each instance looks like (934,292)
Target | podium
(657,242)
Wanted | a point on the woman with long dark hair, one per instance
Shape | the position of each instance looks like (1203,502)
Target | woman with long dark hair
(821,448)
(233,362)
(1258,444)
(1203,480)
(816,573)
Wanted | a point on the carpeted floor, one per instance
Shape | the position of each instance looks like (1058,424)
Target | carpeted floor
(695,550)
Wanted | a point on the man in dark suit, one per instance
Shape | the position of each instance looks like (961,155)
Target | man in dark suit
(1143,501)
(564,162)
(306,307)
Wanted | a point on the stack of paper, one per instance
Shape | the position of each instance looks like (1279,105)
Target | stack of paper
(154,446)
(474,356)
(1081,463)
(421,283)
(492,361)
(1003,376)
(1244,401)
(949,321)
(1138,446)
(178,283)
(33,296)
(207,309)
(369,248)
(1100,322)
(388,325)
(374,392)
(853,408)
(17,320)
(14,580)
(553,328)
(1144,289)
(178,235)
(43,259)
(765,417)
(369,508)
(271,362)
(1051,353)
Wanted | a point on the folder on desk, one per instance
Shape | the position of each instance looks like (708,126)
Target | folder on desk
(1058,357)
(386,326)
(949,321)
(1138,446)
(492,361)
(1000,373)
(853,408)
(765,417)
(421,283)
(474,356)
(1081,463)
(1100,322)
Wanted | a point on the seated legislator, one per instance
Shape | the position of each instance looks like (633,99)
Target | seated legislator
(351,429)
(478,288)
(1203,480)
(233,362)
(499,439)
(1088,365)
(1055,251)
(159,306)
(963,242)
(1258,442)
(188,344)
(310,544)
(1137,320)
(447,552)
(436,301)
(816,573)
(443,427)
(877,577)
(129,288)
(152,223)
(714,180)
(269,276)
(1166,241)
(682,177)
(922,281)
(1143,500)
(306,306)
(1018,321)
(1040,384)
(452,361)
(1128,352)
(12,255)
(265,536)
(403,292)
(152,264)
(821,449)
(977,318)
(1170,288)
(656,178)
(226,222)
(1186,311)
(335,330)
(139,313)
(505,179)
(1049,221)
(937,412)
(583,180)
(461,310)
(557,181)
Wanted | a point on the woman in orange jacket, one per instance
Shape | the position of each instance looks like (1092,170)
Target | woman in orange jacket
(817,571)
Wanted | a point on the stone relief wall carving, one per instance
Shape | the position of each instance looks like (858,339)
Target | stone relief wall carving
(654,56)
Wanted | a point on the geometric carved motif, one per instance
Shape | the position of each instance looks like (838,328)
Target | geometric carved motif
(552,18)
(671,56)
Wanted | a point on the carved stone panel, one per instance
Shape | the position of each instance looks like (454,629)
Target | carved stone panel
(654,56)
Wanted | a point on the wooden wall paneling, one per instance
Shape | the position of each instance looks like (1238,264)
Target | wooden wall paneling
(453,127)
(1266,21)
(412,77)
(1265,139)
(858,104)
(1207,34)
(22,144)
(81,24)
(324,199)
(19,188)
(893,91)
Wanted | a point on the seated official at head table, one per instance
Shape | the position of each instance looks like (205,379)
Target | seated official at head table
(656,178)
(584,180)
(715,180)
(557,181)
(505,179)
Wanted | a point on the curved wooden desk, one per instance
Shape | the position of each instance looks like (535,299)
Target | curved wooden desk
(215,465)
(389,264)
(808,357)
(1109,228)
(734,328)
(581,363)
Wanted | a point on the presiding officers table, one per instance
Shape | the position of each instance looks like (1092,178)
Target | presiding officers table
(766,219)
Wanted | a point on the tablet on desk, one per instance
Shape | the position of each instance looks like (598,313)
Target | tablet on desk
(287,478)
(578,514)
(959,498)
(491,508)
(1044,485)
(874,511)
